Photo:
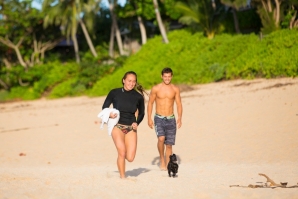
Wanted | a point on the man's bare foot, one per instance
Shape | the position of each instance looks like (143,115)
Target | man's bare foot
(163,167)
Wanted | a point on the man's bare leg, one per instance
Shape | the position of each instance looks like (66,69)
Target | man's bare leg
(168,153)
(161,150)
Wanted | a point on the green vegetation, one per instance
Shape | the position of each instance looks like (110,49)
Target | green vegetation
(193,58)
(54,80)
(196,59)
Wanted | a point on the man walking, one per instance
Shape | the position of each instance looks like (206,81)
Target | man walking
(164,95)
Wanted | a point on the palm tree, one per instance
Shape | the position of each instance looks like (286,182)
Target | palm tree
(90,9)
(293,13)
(67,14)
(114,30)
(159,21)
(140,9)
(235,5)
(201,12)
(270,13)
(142,30)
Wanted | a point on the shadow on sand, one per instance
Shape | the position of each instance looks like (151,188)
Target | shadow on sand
(156,160)
(136,172)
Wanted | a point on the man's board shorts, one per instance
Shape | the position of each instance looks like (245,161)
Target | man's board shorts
(166,126)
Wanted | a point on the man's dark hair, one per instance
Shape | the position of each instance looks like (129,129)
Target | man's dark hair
(166,70)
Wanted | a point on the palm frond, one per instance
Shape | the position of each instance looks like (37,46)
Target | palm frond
(189,13)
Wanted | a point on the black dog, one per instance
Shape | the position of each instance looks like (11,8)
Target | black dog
(173,166)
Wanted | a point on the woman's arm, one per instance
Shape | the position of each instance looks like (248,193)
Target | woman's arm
(109,100)
(141,110)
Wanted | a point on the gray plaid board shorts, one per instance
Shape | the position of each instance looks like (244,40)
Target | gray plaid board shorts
(166,126)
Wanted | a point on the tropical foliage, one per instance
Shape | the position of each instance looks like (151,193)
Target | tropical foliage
(204,13)
(196,59)
(23,36)
(275,13)
(35,60)
(68,15)
(193,57)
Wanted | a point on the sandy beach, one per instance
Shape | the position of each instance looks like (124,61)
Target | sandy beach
(231,131)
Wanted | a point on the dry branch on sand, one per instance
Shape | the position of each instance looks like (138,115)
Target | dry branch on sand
(269,184)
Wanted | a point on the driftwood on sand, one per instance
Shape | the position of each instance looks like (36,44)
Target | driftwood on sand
(268,184)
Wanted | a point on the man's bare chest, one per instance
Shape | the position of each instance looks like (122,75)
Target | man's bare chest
(165,95)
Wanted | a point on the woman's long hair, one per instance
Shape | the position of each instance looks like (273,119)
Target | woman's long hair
(138,86)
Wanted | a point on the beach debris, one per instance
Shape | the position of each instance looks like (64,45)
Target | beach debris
(269,184)
(22,154)
(278,85)
(284,183)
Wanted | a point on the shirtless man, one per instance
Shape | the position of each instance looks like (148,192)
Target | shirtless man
(164,95)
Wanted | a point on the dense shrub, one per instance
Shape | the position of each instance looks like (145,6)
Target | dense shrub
(56,79)
(67,88)
(273,56)
(195,59)
(16,75)
(55,75)
(86,77)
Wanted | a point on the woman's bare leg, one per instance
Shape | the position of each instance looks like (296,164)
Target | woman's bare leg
(119,141)
(131,145)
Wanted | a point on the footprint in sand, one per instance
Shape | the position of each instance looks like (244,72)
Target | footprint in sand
(109,175)
(130,179)
(127,178)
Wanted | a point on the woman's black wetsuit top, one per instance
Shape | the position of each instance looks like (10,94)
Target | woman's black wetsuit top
(127,102)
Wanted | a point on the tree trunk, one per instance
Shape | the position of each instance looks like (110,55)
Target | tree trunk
(6,62)
(76,47)
(143,30)
(142,27)
(40,48)
(35,54)
(3,84)
(111,45)
(21,83)
(160,24)
(19,55)
(213,5)
(48,46)
(116,28)
(269,5)
(277,16)
(8,66)
(210,34)
(8,43)
(118,37)
(91,46)
(236,22)
(293,21)
(20,58)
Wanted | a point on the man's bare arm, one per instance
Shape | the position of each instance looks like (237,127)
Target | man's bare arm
(152,98)
(179,107)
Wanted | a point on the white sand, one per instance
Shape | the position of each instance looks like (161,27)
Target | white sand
(231,132)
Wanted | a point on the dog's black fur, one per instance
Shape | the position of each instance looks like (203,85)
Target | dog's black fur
(173,166)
